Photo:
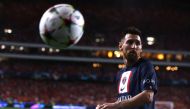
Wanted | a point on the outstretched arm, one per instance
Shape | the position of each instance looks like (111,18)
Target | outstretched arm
(144,97)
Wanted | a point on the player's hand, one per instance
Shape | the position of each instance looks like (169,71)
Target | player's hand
(107,106)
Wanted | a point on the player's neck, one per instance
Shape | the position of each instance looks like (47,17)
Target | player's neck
(131,63)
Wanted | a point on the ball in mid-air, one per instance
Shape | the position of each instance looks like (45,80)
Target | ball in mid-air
(61,26)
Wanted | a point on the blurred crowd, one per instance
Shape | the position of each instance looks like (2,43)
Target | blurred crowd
(179,95)
(81,84)
(55,70)
(55,92)
(78,93)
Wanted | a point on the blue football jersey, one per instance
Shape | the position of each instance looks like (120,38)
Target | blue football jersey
(133,80)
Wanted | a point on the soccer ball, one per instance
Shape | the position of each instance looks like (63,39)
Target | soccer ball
(61,26)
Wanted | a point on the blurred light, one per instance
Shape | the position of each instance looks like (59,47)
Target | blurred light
(21,48)
(176,68)
(117,54)
(120,66)
(18,105)
(50,50)
(3,47)
(172,69)
(43,49)
(97,40)
(146,54)
(179,57)
(168,68)
(97,53)
(157,68)
(12,47)
(96,65)
(68,107)
(150,40)
(110,54)
(57,50)
(121,53)
(168,56)
(7,30)
(160,56)
(150,43)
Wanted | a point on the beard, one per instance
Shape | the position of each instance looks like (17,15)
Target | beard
(131,56)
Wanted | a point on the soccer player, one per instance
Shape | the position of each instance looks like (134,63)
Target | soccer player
(137,82)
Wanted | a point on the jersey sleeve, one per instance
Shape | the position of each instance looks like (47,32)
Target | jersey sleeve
(148,77)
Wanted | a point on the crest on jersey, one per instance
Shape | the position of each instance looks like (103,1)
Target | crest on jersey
(124,82)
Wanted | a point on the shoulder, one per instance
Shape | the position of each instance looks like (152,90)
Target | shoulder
(145,62)
(121,71)
(146,67)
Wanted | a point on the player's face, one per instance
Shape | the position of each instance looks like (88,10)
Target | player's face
(131,47)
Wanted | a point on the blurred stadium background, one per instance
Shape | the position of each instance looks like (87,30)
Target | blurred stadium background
(36,76)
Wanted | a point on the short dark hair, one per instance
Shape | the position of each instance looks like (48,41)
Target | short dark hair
(133,30)
(130,30)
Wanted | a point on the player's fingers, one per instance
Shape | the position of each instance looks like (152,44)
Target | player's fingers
(103,106)
(98,106)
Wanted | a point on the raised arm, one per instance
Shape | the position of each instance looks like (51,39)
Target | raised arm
(144,97)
